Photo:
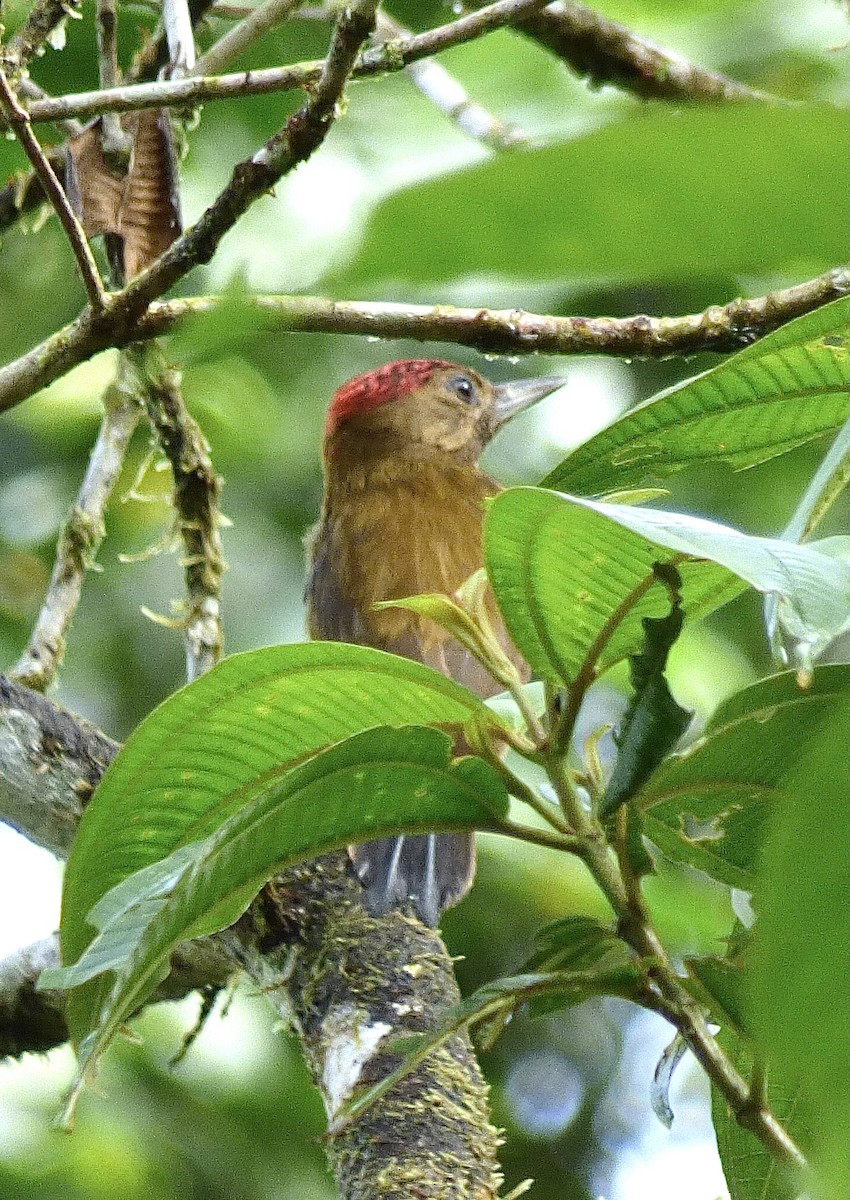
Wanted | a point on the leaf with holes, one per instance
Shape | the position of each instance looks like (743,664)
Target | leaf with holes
(708,807)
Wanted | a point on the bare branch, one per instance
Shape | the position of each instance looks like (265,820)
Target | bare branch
(353,984)
(32,1020)
(18,119)
(179,36)
(80,538)
(604,52)
(42,25)
(196,492)
(377,60)
(50,763)
(113,138)
(450,97)
(257,22)
(720,329)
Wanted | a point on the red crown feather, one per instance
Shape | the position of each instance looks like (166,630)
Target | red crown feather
(370,390)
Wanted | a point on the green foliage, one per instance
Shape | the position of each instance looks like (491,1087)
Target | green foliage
(574,578)
(798,994)
(182,772)
(708,807)
(620,207)
(789,387)
(576,225)
(574,585)
(752,1173)
(373,784)
(653,722)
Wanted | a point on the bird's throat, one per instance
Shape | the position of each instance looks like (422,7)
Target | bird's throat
(396,530)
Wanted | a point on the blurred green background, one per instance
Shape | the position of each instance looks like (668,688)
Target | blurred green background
(616,207)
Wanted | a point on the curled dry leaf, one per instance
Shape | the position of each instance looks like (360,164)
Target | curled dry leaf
(139,207)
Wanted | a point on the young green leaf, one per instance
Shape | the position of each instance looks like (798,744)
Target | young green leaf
(572,944)
(784,390)
(379,782)
(707,807)
(653,721)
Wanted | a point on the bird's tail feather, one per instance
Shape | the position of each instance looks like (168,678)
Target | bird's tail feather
(430,872)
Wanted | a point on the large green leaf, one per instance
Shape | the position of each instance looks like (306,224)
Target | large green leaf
(378,782)
(787,388)
(751,1171)
(800,962)
(708,806)
(574,577)
(574,587)
(184,769)
(655,196)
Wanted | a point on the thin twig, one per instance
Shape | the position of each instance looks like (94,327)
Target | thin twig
(605,52)
(29,88)
(621,887)
(80,538)
(196,493)
(114,140)
(719,329)
(40,27)
(450,97)
(19,121)
(149,61)
(179,36)
(377,60)
(257,23)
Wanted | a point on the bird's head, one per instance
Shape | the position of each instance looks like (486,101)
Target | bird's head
(424,407)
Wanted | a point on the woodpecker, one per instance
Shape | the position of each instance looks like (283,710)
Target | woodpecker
(402,514)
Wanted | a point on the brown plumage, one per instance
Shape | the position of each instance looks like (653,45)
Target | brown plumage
(402,514)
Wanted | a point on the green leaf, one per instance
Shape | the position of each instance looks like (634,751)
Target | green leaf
(723,982)
(185,769)
(799,1001)
(379,782)
(573,588)
(830,479)
(787,388)
(653,721)
(751,1171)
(568,198)
(572,944)
(468,622)
(708,806)
(573,585)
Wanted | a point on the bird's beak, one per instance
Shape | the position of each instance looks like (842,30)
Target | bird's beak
(513,397)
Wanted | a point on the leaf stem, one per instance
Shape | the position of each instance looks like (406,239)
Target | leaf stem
(621,887)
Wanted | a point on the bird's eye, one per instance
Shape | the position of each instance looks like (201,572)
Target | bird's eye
(463,387)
